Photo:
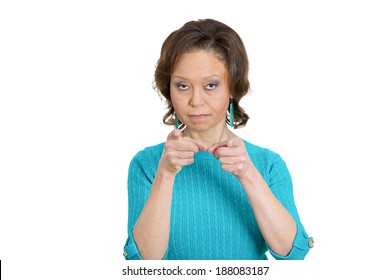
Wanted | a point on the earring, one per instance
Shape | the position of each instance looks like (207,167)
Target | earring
(231,110)
(176,121)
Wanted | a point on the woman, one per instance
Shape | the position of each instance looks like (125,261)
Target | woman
(205,193)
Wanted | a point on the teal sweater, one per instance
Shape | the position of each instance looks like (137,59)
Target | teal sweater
(211,217)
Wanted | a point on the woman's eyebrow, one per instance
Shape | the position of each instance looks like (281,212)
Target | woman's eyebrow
(205,78)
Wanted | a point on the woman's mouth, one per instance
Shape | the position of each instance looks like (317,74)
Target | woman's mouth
(198,116)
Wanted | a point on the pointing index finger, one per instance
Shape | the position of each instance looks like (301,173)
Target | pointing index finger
(198,143)
(215,146)
(235,142)
(174,134)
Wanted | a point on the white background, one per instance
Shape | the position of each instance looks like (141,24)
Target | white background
(77,103)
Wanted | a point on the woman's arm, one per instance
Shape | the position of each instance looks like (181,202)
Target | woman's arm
(276,224)
(151,231)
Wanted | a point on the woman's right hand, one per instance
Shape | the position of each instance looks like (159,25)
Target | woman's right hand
(178,152)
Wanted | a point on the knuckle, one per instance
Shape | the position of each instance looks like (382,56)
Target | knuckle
(240,167)
(169,145)
(170,157)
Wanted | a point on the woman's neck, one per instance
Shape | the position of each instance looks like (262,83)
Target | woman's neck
(210,137)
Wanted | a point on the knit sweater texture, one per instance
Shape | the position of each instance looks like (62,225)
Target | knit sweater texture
(211,217)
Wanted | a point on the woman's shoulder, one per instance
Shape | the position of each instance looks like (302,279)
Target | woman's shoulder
(266,160)
(260,151)
(148,155)
(151,151)
(145,162)
(154,149)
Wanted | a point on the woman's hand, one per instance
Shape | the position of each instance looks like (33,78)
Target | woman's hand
(233,156)
(178,152)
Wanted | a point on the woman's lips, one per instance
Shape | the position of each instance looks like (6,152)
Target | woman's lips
(198,116)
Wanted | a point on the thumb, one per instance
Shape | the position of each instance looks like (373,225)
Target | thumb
(174,134)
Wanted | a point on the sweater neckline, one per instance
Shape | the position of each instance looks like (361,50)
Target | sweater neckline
(204,155)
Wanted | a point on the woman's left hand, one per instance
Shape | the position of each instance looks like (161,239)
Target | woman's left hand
(233,156)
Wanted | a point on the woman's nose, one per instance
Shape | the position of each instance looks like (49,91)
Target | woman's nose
(196,98)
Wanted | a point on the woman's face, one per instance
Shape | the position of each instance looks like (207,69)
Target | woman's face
(199,91)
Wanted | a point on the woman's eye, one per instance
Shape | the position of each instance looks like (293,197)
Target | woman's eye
(182,86)
(211,86)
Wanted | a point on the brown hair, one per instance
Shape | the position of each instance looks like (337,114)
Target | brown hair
(209,35)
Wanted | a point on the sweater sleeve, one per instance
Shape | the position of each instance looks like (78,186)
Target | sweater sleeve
(139,183)
(280,183)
